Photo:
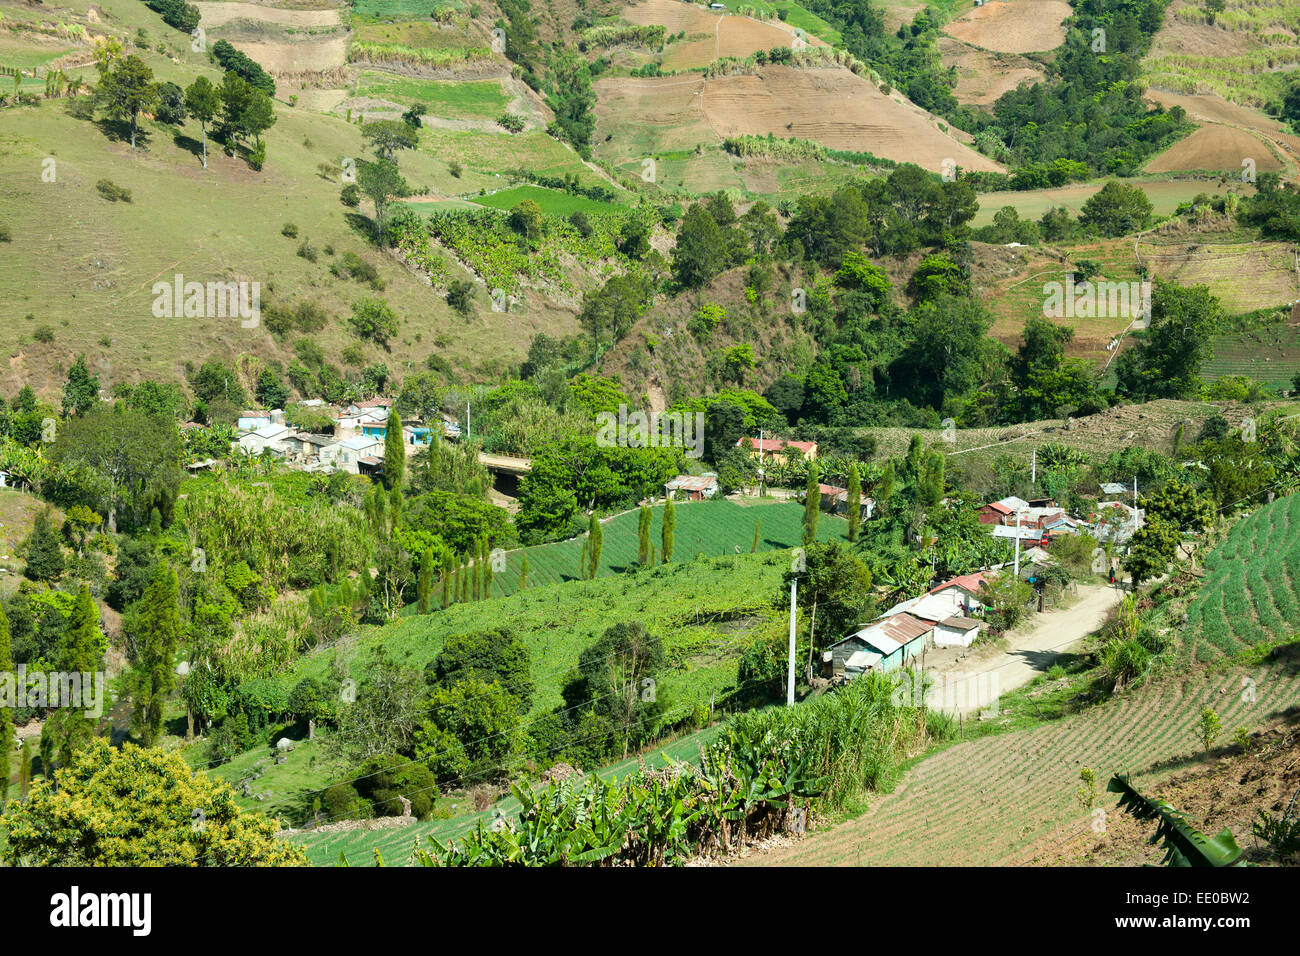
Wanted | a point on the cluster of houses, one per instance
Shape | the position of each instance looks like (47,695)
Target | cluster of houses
(942,617)
(1038,520)
(355,444)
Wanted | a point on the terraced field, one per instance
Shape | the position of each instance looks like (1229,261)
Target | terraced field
(1251,594)
(998,800)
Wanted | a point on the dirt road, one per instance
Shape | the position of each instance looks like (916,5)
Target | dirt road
(1033,650)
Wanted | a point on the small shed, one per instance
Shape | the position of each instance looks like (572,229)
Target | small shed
(956,631)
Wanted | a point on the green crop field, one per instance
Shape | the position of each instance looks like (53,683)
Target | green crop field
(552,201)
(703,527)
(1270,355)
(473,99)
(401,9)
(1250,596)
(1165,196)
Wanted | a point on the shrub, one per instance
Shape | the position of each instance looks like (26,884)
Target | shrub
(460,296)
(512,123)
(289,230)
(307,251)
(44,334)
(113,192)
(350,195)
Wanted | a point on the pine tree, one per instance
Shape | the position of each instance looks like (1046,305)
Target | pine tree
(854,501)
(670,525)
(596,535)
(6,715)
(153,678)
(811,507)
(44,552)
(523,572)
(394,452)
(424,581)
(643,520)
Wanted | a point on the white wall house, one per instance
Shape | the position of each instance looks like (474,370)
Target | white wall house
(273,437)
(345,454)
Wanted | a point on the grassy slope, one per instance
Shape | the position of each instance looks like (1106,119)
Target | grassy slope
(221,223)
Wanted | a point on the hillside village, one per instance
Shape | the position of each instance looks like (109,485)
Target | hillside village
(649,433)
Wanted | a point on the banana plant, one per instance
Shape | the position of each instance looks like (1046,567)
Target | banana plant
(1184,845)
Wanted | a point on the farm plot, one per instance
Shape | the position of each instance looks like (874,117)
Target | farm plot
(1270,355)
(1245,275)
(1251,594)
(836,108)
(216,13)
(982,75)
(1013,26)
(703,527)
(988,802)
(452,99)
(1216,148)
(552,201)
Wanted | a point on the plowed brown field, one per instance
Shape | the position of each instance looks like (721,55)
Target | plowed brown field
(1013,26)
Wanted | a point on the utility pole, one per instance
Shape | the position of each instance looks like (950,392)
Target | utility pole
(468,431)
(1017,567)
(789,680)
(1033,468)
(761,476)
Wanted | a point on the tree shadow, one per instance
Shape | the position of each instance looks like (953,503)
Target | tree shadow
(188,143)
(363,225)
(119,131)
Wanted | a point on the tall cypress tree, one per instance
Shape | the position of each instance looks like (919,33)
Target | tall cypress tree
(758,526)
(25,769)
(81,651)
(158,637)
(448,579)
(6,715)
(855,501)
(394,451)
(596,534)
(643,520)
(523,572)
(811,507)
(424,581)
(487,569)
(670,525)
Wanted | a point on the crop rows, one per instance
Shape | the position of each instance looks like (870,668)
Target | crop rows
(1250,594)
(1015,792)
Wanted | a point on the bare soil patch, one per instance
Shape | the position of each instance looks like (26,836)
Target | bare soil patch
(1013,26)
(982,75)
(836,108)
(216,12)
